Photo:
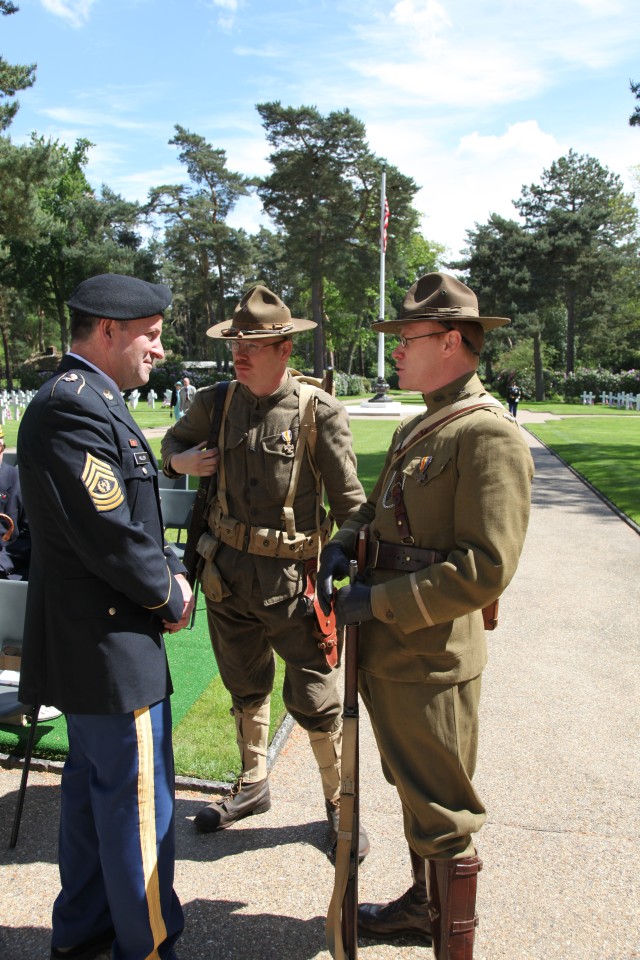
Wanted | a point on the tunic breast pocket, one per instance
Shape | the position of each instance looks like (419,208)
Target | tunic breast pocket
(138,472)
(279,452)
(429,493)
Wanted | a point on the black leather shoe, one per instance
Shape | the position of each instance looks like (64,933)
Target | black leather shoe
(333,816)
(405,917)
(244,800)
(87,950)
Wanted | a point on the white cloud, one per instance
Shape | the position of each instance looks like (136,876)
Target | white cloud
(93,118)
(75,11)
(476,176)
(226,21)
(455,53)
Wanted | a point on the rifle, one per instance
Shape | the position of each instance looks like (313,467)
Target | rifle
(341,928)
(205,494)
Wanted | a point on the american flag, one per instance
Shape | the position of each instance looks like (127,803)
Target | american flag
(385,223)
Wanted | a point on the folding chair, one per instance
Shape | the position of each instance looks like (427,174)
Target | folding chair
(13,605)
(177,507)
(172,483)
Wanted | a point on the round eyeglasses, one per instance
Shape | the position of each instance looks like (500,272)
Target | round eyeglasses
(239,346)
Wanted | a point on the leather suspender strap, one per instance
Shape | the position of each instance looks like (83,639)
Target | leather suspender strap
(306,436)
(437,420)
(222,477)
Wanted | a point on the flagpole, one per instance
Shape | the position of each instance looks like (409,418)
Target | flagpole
(381,385)
(383,254)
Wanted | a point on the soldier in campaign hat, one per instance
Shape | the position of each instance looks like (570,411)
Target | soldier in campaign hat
(280,443)
(445,524)
(103,589)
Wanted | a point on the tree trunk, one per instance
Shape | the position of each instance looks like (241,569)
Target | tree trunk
(7,360)
(571,332)
(318,333)
(62,320)
(537,365)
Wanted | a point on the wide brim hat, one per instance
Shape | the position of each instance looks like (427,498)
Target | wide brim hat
(259,314)
(440,297)
(115,296)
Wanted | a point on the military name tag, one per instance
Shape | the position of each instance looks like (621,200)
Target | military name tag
(141,458)
(101,484)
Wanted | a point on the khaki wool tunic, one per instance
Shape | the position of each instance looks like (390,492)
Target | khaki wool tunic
(466,490)
(260,436)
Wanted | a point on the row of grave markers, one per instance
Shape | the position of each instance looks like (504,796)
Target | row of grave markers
(134,398)
(626,401)
(13,402)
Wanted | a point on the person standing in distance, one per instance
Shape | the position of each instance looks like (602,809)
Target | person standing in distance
(103,589)
(186,393)
(513,397)
(445,523)
(267,521)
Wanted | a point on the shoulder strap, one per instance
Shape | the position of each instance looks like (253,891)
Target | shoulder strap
(307,435)
(222,419)
(439,419)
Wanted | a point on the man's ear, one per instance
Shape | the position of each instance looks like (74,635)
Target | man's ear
(453,340)
(106,326)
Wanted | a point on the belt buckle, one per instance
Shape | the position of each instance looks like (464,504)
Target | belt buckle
(373,550)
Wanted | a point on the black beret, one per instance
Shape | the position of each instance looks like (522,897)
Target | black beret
(117,297)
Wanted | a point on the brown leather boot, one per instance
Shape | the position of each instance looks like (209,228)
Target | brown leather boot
(452,906)
(407,916)
(244,800)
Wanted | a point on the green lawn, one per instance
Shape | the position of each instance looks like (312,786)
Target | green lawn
(606,452)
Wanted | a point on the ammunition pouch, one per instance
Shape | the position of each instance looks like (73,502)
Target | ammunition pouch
(213,586)
(267,541)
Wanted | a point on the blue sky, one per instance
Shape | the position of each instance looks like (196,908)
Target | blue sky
(472,99)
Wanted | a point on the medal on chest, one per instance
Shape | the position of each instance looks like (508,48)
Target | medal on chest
(287,445)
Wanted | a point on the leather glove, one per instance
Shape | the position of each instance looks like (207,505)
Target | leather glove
(334,563)
(353,604)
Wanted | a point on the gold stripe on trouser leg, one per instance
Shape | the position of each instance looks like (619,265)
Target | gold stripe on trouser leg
(147,815)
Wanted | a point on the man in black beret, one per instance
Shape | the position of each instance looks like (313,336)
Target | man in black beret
(103,589)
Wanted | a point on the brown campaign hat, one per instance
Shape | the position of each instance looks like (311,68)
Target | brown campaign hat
(439,296)
(259,314)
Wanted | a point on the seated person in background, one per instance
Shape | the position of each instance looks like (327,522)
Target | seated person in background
(15,550)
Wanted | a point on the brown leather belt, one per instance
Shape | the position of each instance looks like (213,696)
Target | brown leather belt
(396,556)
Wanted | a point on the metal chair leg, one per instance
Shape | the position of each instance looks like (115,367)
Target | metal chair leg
(25,774)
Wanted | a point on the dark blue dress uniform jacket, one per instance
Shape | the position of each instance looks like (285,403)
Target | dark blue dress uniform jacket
(101,579)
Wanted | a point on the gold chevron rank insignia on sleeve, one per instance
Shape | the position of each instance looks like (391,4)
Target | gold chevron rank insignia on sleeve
(102,484)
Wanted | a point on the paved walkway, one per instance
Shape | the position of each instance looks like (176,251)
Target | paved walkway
(558,770)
